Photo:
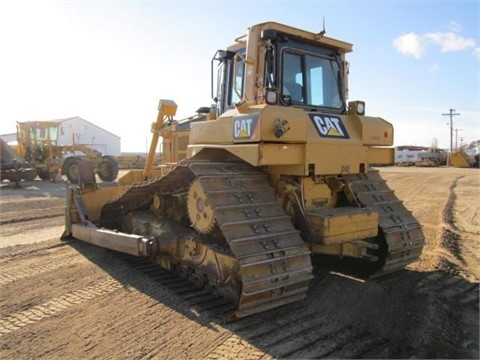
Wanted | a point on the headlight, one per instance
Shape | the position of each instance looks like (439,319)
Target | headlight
(271,97)
(357,107)
(360,110)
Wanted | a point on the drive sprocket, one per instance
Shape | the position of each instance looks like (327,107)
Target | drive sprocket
(199,210)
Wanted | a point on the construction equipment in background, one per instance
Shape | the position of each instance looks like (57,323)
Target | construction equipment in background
(460,159)
(276,171)
(38,144)
(14,168)
(131,161)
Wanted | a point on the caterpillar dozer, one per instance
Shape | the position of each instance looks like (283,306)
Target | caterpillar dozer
(276,171)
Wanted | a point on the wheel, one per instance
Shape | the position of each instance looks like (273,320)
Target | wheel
(70,169)
(31,175)
(199,210)
(44,174)
(108,169)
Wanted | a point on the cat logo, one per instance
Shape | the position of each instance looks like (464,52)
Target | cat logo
(329,126)
(245,127)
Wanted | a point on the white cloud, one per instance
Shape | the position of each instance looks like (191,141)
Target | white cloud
(410,44)
(415,45)
(434,68)
(450,41)
(455,27)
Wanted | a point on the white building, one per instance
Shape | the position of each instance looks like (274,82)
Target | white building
(82,132)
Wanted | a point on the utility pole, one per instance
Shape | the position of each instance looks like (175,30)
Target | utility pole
(456,138)
(452,113)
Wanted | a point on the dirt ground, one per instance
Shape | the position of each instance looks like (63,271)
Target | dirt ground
(62,300)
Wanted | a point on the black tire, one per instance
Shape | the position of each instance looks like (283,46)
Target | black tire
(44,174)
(70,169)
(108,169)
(31,175)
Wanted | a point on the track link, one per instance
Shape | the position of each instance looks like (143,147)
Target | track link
(274,265)
(403,233)
(200,297)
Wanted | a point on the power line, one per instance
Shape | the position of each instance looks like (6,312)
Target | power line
(456,137)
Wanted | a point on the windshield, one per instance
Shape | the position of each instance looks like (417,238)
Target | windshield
(42,134)
(311,79)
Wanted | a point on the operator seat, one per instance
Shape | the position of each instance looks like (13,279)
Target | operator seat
(294,89)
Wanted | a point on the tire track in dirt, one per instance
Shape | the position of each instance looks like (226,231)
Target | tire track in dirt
(55,306)
(31,267)
(32,215)
(168,335)
(25,209)
(34,248)
(451,287)
(304,337)
(42,201)
(31,232)
(466,217)
(451,238)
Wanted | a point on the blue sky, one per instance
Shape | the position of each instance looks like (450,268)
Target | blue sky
(111,61)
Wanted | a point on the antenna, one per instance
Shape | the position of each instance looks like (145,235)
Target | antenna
(321,33)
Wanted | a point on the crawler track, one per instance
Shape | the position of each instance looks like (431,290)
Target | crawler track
(403,233)
(274,265)
(201,298)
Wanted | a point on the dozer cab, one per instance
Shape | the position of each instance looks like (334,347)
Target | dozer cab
(38,144)
(275,172)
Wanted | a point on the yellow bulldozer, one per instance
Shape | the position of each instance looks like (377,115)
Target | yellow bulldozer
(276,171)
(38,144)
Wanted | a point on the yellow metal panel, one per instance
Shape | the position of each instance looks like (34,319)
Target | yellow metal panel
(316,195)
(213,131)
(167,107)
(246,152)
(297,121)
(234,127)
(344,249)
(331,158)
(344,46)
(338,225)
(381,156)
(259,154)
(375,130)
(94,200)
(280,154)
(133,176)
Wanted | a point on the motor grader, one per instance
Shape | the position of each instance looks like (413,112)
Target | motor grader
(38,144)
(277,170)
